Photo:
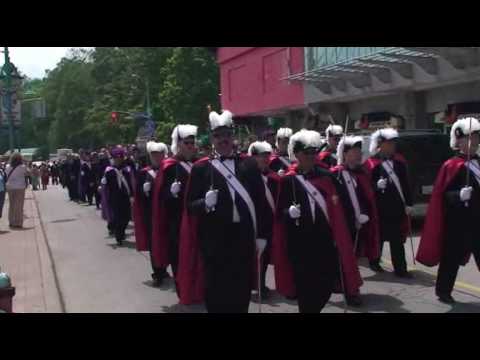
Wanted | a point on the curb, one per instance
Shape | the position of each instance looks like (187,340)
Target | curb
(54,301)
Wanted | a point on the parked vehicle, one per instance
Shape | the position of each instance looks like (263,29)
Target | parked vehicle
(425,151)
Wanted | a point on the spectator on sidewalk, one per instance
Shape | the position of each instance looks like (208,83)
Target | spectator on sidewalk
(3,178)
(35,177)
(45,175)
(15,185)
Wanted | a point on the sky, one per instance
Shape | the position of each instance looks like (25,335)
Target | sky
(33,61)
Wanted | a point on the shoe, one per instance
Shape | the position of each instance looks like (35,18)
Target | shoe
(354,301)
(446,298)
(377,268)
(266,293)
(404,275)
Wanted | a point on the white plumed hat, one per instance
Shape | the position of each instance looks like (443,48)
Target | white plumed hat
(333,130)
(304,139)
(283,133)
(461,128)
(153,146)
(381,135)
(346,144)
(259,147)
(216,120)
(182,132)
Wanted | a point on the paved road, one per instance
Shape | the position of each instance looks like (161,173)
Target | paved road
(96,276)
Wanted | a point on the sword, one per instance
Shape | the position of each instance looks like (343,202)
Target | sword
(468,156)
(342,284)
(261,244)
(411,238)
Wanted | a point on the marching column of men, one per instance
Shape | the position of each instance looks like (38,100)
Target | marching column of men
(219,221)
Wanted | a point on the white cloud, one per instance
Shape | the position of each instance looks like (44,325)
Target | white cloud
(33,61)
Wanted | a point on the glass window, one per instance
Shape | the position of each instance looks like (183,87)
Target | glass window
(322,56)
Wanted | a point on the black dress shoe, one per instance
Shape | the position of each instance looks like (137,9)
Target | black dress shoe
(377,268)
(266,293)
(354,301)
(404,275)
(446,298)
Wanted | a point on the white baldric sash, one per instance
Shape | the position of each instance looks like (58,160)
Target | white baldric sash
(473,166)
(284,161)
(351,185)
(314,194)
(152,173)
(268,194)
(394,178)
(240,190)
(121,180)
(186,166)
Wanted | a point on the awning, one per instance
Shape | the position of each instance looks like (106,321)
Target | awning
(388,69)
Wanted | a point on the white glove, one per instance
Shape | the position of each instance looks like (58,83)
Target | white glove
(260,244)
(82,173)
(382,184)
(281,172)
(104,181)
(211,198)
(362,219)
(147,187)
(466,193)
(294,211)
(408,210)
(175,188)
(99,189)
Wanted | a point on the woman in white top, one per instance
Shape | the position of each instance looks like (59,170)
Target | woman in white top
(16,184)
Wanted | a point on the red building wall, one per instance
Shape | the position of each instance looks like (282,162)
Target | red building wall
(251,79)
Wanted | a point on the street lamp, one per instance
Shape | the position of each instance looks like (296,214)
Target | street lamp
(10,81)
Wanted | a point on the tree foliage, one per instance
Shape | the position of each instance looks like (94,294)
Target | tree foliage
(87,85)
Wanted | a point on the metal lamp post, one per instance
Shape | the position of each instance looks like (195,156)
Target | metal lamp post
(10,80)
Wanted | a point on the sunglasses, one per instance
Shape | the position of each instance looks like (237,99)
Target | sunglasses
(189,142)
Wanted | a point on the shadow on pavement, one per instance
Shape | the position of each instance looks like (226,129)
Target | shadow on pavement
(274,300)
(460,307)
(23,228)
(179,308)
(420,278)
(126,244)
(62,221)
(4,232)
(376,302)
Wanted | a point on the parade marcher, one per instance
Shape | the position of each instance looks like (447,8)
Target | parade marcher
(79,161)
(97,177)
(87,177)
(328,156)
(358,200)
(280,161)
(143,217)
(170,198)
(261,152)
(119,193)
(269,136)
(311,243)
(219,229)
(389,177)
(450,234)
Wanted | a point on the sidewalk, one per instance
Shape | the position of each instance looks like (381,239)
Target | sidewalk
(25,257)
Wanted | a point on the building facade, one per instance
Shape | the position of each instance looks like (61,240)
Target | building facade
(406,87)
